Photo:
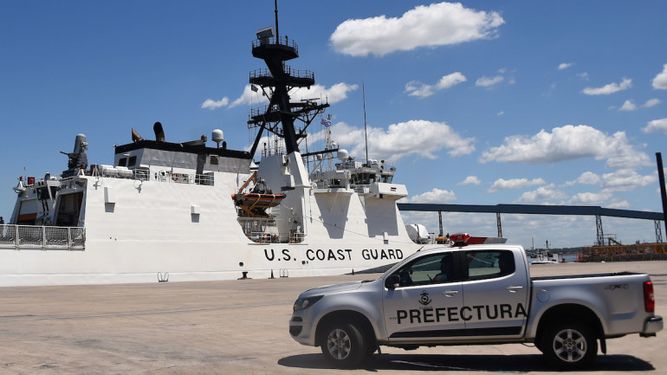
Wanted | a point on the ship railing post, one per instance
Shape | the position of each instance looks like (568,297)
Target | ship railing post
(69,238)
(16,236)
(43,237)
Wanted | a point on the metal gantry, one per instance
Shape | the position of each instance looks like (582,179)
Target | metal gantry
(534,209)
(599,231)
(658,231)
(441,230)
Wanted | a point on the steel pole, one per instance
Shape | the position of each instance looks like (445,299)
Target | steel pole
(663,195)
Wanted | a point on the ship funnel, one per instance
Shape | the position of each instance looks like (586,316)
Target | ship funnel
(159,132)
(136,137)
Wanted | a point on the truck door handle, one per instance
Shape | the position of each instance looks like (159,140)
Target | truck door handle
(450,293)
(514,288)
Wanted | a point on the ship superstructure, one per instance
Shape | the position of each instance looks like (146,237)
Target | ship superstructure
(183,211)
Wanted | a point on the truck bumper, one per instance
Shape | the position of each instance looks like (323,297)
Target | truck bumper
(651,326)
(301,330)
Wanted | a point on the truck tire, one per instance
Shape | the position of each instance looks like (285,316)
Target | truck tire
(344,345)
(569,345)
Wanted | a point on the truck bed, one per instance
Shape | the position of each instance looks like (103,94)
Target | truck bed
(583,276)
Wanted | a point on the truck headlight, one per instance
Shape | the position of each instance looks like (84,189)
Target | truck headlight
(304,303)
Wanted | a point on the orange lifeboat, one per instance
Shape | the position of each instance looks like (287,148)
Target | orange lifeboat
(255,202)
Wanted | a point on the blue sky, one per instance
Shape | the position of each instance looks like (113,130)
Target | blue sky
(478,102)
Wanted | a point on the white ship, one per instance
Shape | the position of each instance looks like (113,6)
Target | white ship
(191,211)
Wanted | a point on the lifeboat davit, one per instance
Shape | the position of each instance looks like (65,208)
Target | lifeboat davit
(255,202)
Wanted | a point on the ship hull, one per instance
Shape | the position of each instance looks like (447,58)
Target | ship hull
(145,262)
(147,231)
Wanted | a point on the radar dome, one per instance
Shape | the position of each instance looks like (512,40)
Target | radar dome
(217,135)
(343,154)
(417,233)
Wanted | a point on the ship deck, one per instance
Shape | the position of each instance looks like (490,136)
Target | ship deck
(241,327)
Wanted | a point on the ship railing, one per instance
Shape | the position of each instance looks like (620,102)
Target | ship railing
(260,237)
(185,178)
(42,237)
(257,73)
(142,174)
(285,41)
(295,73)
(296,237)
(298,73)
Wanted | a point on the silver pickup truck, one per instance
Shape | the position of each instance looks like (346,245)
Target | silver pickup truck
(477,294)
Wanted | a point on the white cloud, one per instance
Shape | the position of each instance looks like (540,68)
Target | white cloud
(514,183)
(434,196)
(333,94)
(542,195)
(609,88)
(651,103)
(414,137)
(470,180)
(500,113)
(489,81)
(213,104)
(422,90)
(249,97)
(660,80)
(628,106)
(588,198)
(656,125)
(619,204)
(563,66)
(566,143)
(424,26)
(626,180)
(586,178)
(583,76)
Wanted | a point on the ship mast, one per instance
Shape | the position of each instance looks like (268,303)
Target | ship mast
(276,81)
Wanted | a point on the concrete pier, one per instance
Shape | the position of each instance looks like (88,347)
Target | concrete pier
(240,327)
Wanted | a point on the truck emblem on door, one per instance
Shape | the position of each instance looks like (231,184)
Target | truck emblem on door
(424,298)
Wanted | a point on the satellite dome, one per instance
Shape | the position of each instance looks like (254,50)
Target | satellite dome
(217,135)
(343,154)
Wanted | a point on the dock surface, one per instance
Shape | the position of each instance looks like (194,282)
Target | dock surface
(241,327)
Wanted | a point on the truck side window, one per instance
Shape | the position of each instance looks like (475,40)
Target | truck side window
(489,264)
(430,269)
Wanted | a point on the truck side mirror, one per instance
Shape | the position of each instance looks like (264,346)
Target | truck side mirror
(392,282)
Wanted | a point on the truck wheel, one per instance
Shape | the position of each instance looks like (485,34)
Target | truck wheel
(569,346)
(344,345)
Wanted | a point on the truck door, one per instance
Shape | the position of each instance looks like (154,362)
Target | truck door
(426,301)
(495,289)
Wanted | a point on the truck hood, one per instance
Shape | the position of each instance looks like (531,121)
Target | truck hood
(331,289)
